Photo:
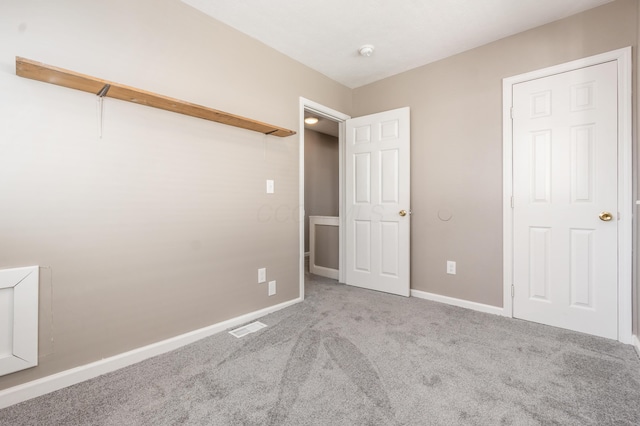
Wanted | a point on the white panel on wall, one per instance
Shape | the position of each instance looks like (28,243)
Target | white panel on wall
(6,321)
(18,319)
(315,221)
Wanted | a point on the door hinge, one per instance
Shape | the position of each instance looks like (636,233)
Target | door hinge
(512,290)
(512,113)
(512,201)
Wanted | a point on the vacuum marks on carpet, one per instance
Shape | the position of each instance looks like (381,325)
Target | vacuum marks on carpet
(350,362)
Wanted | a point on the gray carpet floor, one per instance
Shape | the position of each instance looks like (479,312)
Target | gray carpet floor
(347,356)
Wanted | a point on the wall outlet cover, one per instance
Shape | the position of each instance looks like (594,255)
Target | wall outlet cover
(451,267)
(272,288)
(262,275)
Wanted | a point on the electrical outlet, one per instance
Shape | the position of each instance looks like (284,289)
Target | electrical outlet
(272,288)
(271,186)
(451,267)
(262,275)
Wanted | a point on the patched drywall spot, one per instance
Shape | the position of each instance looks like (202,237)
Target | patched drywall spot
(444,215)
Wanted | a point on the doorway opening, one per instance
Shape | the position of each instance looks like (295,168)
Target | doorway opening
(321,195)
(321,188)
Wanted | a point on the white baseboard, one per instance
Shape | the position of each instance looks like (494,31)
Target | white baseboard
(488,309)
(75,375)
(636,343)
(324,272)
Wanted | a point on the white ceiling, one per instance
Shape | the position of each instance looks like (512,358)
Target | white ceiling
(326,35)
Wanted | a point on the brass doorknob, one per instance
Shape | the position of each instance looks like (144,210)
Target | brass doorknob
(605,216)
(402,213)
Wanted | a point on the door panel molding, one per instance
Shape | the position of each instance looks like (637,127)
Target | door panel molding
(625,202)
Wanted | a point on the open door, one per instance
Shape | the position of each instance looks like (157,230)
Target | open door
(378,213)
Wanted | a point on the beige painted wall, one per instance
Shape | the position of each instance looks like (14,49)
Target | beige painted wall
(327,246)
(456,153)
(158,228)
(321,178)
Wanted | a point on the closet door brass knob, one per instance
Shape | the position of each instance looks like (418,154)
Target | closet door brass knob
(402,213)
(605,216)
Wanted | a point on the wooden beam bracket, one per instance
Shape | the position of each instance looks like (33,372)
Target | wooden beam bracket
(103,92)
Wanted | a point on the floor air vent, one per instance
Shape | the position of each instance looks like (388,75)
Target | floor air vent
(246,329)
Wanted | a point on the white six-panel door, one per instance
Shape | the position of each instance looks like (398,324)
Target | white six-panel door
(377,201)
(564,188)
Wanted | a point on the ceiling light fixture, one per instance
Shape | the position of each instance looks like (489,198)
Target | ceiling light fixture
(311,120)
(366,50)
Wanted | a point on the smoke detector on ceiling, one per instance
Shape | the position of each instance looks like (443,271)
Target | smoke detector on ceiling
(366,50)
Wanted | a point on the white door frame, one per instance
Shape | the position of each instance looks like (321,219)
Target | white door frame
(625,179)
(340,118)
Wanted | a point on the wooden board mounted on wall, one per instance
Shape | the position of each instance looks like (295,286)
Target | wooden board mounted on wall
(62,77)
